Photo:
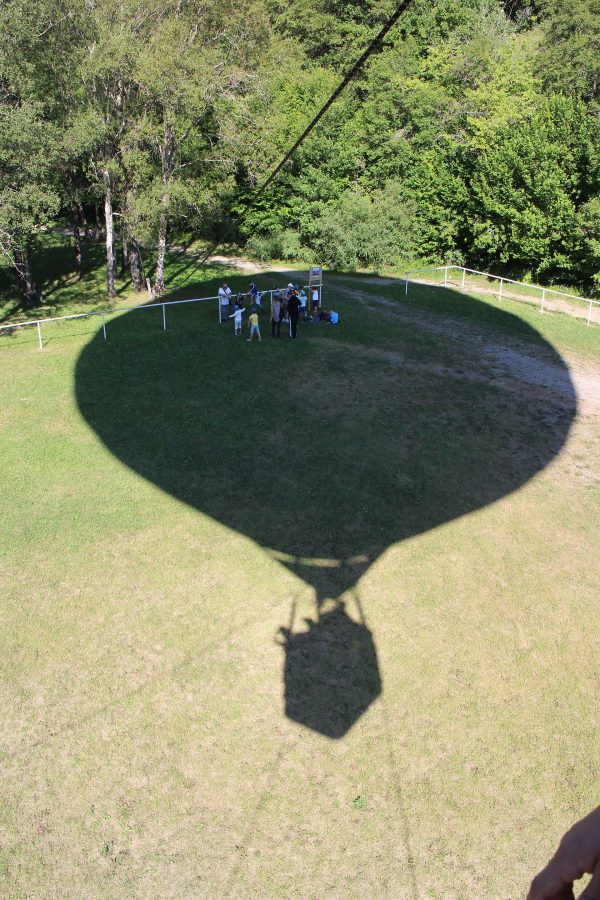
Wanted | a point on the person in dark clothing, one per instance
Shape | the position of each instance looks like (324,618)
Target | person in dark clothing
(294,313)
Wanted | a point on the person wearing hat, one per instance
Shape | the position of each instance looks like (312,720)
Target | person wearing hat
(284,302)
(253,325)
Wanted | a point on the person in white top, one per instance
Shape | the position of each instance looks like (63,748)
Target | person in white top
(315,298)
(237,318)
(224,295)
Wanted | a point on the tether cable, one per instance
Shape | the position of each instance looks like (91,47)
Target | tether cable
(358,65)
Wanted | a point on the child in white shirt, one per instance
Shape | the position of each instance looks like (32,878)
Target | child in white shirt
(237,319)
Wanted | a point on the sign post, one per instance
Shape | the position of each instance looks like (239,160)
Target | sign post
(315,283)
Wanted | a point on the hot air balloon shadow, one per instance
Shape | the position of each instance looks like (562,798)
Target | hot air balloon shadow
(325,480)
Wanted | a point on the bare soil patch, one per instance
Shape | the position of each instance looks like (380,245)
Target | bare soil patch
(508,357)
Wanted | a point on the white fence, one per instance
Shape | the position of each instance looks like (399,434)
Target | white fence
(104,313)
(546,295)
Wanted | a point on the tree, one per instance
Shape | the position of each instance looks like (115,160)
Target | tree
(367,231)
(28,197)
(527,188)
(38,43)
(588,221)
(570,56)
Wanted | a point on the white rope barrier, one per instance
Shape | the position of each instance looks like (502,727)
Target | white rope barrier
(503,280)
(103,313)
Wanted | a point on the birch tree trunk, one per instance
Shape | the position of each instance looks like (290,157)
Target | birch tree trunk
(77,241)
(159,280)
(131,249)
(124,252)
(98,221)
(108,215)
(135,266)
(83,220)
(167,153)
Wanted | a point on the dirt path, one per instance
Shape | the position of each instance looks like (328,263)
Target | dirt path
(247,265)
(507,357)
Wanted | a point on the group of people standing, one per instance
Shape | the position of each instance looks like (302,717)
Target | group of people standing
(287,307)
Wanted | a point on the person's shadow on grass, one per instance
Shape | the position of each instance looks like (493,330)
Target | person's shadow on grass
(327,450)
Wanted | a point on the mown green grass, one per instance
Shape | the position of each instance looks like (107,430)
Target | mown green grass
(170,500)
(560,330)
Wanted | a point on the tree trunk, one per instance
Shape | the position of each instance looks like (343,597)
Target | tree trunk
(131,249)
(77,241)
(135,266)
(124,252)
(110,254)
(159,279)
(31,292)
(98,221)
(78,253)
(83,220)
(167,154)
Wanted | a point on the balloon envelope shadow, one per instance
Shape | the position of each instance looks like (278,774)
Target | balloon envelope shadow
(326,450)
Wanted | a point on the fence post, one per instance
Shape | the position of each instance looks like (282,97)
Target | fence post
(463,280)
(445,276)
(39,334)
(164,318)
(589,315)
(543,300)
(500,292)
(406,285)
(103,326)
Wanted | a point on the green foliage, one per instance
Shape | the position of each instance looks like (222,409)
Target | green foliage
(459,85)
(588,222)
(456,142)
(277,245)
(334,32)
(570,58)
(527,188)
(28,196)
(366,231)
(35,89)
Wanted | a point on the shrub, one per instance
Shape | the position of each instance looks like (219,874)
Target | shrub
(276,245)
(370,232)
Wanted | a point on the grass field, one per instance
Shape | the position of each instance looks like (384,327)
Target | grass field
(298,619)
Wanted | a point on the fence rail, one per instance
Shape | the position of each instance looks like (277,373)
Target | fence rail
(103,313)
(545,293)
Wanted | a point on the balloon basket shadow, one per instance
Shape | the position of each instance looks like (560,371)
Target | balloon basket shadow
(331,671)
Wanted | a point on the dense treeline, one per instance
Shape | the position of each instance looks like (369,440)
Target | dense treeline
(473,135)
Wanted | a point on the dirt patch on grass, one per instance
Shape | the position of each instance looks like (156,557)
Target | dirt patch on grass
(251,266)
(525,368)
(506,358)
